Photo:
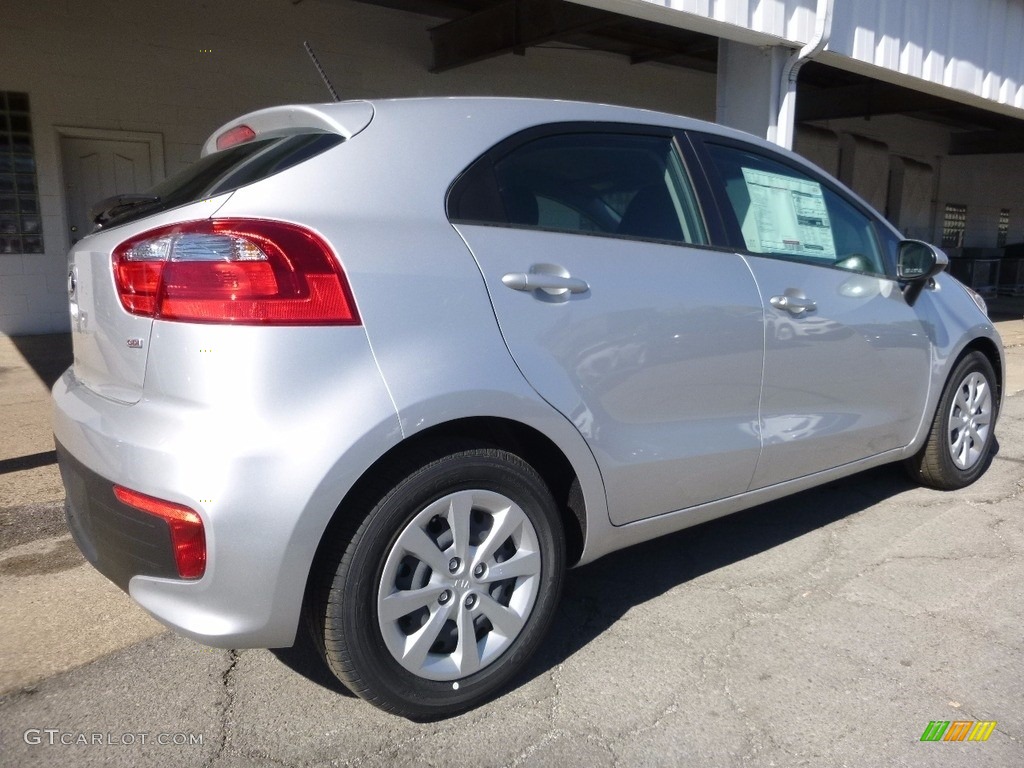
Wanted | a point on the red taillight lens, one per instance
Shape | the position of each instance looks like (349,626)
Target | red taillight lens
(188,538)
(237,135)
(242,271)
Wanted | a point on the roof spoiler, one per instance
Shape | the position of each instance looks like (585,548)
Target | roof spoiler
(346,118)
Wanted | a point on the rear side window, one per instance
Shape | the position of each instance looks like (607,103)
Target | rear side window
(784,212)
(226,171)
(622,185)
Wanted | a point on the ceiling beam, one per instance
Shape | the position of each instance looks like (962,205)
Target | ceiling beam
(691,50)
(676,60)
(987,142)
(508,27)
(863,100)
(441,9)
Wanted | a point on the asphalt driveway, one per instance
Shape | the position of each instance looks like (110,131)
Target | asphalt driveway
(825,629)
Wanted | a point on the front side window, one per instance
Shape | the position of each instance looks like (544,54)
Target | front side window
(783,212)
(621,185)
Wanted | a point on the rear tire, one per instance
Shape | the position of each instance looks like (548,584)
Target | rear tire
(446,587)
(961,440)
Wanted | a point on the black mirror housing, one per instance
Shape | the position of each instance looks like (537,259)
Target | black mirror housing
(918,262)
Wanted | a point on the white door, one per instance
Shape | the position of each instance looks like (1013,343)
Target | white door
(98,168)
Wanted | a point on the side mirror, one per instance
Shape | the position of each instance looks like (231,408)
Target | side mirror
(917,263)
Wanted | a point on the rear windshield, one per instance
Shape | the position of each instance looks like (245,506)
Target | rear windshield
(226,171)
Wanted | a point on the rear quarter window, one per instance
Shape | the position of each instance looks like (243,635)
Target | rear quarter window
(618,184)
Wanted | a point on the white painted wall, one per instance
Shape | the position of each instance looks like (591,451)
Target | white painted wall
(757,22)
(143,66)
(747,77)
(969,46)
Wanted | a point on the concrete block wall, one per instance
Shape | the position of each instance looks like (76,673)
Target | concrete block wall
(984,183)
(818,145)
(182,69)
(911,187)
(864,166)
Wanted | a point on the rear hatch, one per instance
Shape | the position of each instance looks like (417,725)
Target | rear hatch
(110,333)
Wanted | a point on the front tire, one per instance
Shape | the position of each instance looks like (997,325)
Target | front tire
(447,586)
(961,440)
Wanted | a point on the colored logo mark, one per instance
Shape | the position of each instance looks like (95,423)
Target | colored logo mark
(958,730)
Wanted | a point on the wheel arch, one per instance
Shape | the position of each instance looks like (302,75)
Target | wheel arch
(931,463)
(980,339)
(990,350)
(528,443)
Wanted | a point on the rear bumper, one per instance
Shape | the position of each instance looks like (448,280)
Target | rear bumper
(263,453)
(119,541)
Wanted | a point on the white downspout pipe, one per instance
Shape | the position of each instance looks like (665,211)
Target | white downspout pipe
(784,98)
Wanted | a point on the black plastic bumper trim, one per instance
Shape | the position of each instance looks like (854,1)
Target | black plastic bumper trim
(120,541)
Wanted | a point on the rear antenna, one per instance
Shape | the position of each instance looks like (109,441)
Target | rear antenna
(320,69)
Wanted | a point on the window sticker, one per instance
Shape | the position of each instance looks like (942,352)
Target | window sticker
(787,215)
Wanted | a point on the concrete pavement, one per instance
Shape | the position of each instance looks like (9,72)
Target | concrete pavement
(56,610)
(825,629)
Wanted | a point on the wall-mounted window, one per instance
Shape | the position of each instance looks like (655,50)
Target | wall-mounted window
(1004,227)
(21,227)
(954,223)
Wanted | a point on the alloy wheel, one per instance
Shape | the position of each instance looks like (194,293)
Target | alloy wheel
(970,419)
(458,585)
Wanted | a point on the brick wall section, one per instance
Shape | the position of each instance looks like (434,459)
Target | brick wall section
(143,66)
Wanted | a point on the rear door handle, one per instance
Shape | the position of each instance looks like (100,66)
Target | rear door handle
(553,284)
(795,305)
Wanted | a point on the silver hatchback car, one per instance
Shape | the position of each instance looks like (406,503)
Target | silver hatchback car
(379,372)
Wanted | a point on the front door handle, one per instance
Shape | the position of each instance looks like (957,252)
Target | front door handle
(556,285)
(794,304)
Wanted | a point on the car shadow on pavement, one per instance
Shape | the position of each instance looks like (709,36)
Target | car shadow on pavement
(599,594)
(49,355)
(304,657)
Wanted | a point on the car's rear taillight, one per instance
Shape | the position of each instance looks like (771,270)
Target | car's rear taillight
(241,271)
(188,538)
